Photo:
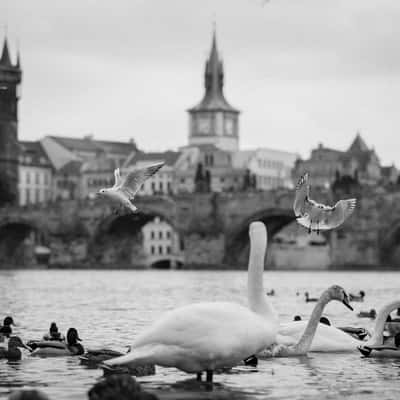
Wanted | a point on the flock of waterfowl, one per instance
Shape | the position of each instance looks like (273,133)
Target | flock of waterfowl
(210,336)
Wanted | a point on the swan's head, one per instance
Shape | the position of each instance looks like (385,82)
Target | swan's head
(257,228)
(338,293)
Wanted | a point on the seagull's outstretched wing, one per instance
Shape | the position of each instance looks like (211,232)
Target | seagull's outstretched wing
(135,179)
(340,212)
(118,180)
(302,195)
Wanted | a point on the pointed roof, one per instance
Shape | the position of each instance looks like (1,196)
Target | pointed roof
(5,59)
(358,144)
(214,99)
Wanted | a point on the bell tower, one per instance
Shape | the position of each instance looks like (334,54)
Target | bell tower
(214,120)
(10,78)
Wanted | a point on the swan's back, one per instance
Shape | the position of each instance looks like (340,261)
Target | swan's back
(327,338)
(219,331)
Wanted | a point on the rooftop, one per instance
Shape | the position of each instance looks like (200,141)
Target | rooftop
(32,153)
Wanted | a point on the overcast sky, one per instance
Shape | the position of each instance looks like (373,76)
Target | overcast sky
(301,71)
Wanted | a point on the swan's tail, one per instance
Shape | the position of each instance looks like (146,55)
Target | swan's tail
(149,354)
(134,358)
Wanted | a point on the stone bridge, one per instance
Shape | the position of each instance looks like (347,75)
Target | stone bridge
(213,228)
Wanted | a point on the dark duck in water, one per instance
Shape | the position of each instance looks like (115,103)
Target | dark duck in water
(92,358)
(13,353)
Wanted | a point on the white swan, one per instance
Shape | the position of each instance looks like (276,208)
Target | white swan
(331,339)
(205,336)
(301,348)
(327,338)
(376,341)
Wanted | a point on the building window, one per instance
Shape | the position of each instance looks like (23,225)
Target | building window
(27,195)
(161,186)
(28,177)
(160,235)
(160,250)
(153,187)
(182,180)
(152,234)
(168,249)
(152,249)
(168,234)
(37,180)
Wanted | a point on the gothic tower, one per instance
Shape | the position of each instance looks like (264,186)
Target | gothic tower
(214,120)
(10,78)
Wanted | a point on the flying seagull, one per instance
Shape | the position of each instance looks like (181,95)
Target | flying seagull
(125,189)
(315,216)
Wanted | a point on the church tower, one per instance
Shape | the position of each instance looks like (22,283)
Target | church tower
(214,120)
(10,78)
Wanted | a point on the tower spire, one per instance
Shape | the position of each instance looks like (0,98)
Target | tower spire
(5,59)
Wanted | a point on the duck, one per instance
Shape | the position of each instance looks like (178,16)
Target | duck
(271,292)
(310,299)
(6,329)
(13,353)
(300,348)
(55,348)
(367,314)
(359,297)
(94,357)
(193,339)
(53,333)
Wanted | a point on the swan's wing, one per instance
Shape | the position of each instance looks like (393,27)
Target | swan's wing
(117,176)
(135,179)
(339,213)
(301,196)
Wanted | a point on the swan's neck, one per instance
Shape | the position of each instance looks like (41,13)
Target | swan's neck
(256,292)
(308,335)
(377,337)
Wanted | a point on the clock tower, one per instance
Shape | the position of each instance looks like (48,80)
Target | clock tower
(214,120)
(10,78)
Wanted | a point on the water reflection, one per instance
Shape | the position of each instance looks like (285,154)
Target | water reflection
(110,308)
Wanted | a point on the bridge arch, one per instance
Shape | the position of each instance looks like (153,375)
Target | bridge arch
(389,253)
(237,240)
(118,238)
(18,238)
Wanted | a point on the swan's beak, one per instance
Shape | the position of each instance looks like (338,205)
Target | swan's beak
(346,302)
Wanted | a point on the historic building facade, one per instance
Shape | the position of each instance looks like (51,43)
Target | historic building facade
(35,174)
(10,78)
(358,162)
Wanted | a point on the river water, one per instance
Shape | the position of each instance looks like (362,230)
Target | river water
(110,307)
